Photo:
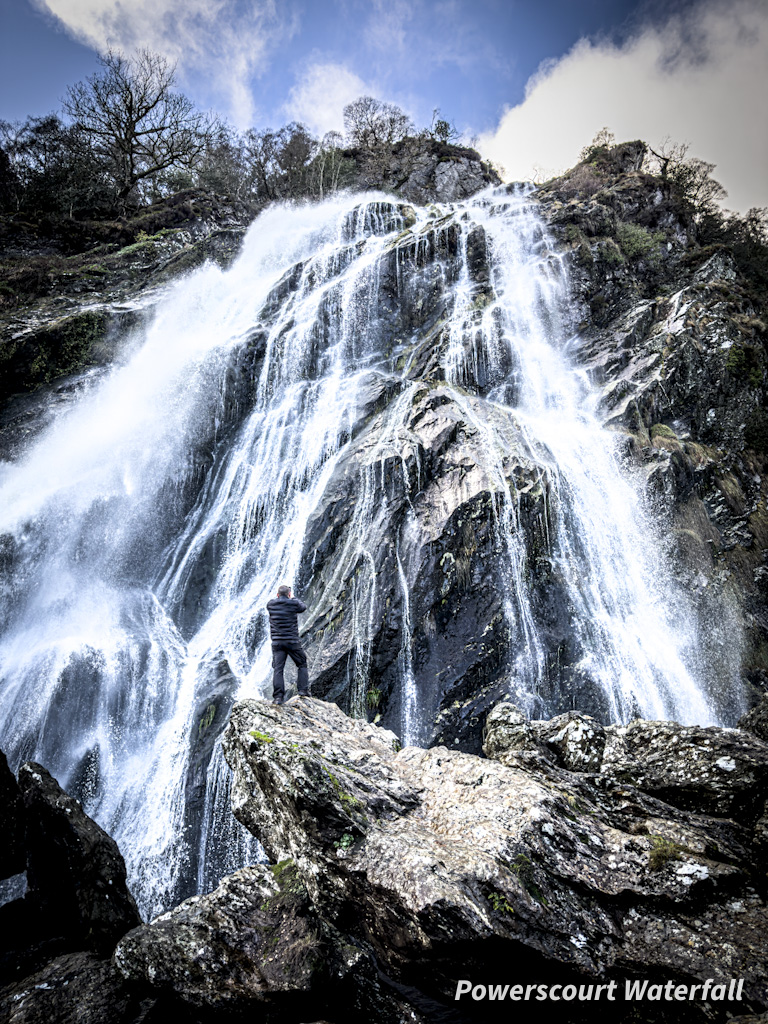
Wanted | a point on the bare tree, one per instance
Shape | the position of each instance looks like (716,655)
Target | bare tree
(669,155)
(690,176)
(441,130)
(137,124)
(329,165)
(371,124)
(261,153)
(223,167)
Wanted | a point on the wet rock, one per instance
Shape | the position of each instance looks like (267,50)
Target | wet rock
(75,872)
(218,687)
(424,171)
(577,740)
(255,945)
(756,720)
(573,741)
(668,329)
(440,861)
(76,988)
(717,771)
(13,856)
(437,516)
(63,345)
(251,938)
(507,730)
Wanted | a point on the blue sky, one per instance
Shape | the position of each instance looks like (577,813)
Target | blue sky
(469,59)
(533,80)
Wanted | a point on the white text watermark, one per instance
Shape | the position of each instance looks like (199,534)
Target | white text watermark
(630,991)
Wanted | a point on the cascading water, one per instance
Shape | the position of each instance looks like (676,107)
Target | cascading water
(148,527)
(636,637)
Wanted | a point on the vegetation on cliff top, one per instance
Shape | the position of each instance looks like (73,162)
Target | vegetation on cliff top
(127,139)
(653,192)
(129,157)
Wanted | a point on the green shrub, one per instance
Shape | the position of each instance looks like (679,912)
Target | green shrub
(662,430)
(573,234)
(610,254)
(662,851)
(637,243)
(756,432)
(500,903)
(373,697)
(345,842)
(744,364)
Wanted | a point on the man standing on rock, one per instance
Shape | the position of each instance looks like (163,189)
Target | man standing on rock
(284,631)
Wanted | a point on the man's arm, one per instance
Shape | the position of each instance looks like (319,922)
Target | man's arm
(300,606)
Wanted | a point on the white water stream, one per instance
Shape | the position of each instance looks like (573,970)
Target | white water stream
(105,649)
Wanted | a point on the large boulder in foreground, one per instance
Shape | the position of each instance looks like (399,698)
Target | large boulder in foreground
(449,866)
(257,946)
(75,873)
(76,988)
(55,941)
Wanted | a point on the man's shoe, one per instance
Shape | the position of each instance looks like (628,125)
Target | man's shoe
(305,694)
(278,701)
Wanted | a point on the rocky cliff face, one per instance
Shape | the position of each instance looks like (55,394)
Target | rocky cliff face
(65,316)
(675,336)
(425,171)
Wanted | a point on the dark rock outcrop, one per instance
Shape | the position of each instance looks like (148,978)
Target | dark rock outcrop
(723,772)
(76,988)
(573,853)
(75,313)
(256,945)
(13,851)
(76,897)
(674,333)
(75,872)
(55,941)
(756,720)
(219,688)
(424,170)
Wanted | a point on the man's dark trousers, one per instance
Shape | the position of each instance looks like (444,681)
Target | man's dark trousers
(282,649)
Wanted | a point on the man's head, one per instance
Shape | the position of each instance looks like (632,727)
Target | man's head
(283,591)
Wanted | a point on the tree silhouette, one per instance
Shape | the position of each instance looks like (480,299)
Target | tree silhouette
(138,126)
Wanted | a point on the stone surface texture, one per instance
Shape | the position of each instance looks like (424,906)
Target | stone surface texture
(435,861)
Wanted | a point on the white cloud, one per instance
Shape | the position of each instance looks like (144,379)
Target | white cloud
(388,25)
(320,95)
(221,39)
(702,78)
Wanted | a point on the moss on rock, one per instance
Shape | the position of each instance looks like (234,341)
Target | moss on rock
(53,351)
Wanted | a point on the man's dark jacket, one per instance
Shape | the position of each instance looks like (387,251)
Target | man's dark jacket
(283,621)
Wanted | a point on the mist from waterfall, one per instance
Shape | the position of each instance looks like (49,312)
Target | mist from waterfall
(149,525)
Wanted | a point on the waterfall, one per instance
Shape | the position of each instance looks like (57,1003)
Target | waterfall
(286,399)
(638,637)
